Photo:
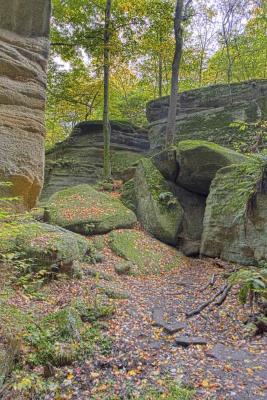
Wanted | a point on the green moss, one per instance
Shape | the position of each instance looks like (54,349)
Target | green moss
(148,254)
(155,180)
(237,185)
(45,243)
(128,196)
(122,160)
(84,210)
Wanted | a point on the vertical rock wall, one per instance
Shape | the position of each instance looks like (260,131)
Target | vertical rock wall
(24,48)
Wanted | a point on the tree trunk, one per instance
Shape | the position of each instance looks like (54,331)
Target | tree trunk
(160,74)
(178,31)
(106,122)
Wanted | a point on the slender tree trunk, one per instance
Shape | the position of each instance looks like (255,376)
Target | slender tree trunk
(106,122)
(160,65)
(160,74)
(178,31)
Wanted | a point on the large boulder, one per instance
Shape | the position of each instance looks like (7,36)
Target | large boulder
(79,158)
(84,210)
(208,114)
(46,244)
(235,222)
(146,254)
(157,208)
(24,46)
(198,162)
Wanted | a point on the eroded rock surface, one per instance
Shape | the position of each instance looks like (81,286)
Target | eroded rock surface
(235,221)
(207,113)
(79,159)
(24,47)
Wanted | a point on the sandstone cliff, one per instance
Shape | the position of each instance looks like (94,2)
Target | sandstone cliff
(24,47)
(79,159)
(207,113)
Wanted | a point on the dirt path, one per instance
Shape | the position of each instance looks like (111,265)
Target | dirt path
(145,354)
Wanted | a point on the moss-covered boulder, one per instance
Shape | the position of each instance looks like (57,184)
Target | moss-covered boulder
(46,244)
(157,208)
(199,161)
(146,253)
(235,222)
(84,210)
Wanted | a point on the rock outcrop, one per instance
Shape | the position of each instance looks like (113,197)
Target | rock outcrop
(79,159)
(207,113)
(84,210)
(157,208)
(235,222)
(198,162)
(24,47)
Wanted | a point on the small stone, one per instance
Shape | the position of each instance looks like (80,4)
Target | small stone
(169,327)
(186,341)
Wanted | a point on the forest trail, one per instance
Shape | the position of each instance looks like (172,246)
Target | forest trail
(144,354)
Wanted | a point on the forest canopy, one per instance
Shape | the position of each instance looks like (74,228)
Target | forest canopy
(224,42)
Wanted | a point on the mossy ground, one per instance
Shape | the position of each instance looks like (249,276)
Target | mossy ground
(148,254)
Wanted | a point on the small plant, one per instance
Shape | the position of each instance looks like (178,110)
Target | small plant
(168,199)
(253,285)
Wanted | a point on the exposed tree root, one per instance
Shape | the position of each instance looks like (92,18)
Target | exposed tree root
(202,306)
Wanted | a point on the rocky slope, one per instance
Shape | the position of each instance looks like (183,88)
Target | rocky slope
(79,159)
(206,113)
(24,46)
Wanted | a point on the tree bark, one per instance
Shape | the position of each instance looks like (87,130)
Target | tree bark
(178,32)
(106,122)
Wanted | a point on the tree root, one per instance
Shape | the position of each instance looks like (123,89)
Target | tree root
(222,292)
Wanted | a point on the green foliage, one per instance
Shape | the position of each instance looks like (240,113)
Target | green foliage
(168,199)
(251,137)
(241,183)
(253,284)
(171,391)
(64,336)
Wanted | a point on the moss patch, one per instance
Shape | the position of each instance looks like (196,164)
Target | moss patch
(128,196)
(148,254)
(44,243)
(84,210)
(158,210)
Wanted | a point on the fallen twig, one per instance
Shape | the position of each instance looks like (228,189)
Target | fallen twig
(223,296)
(202,306)
(210,283)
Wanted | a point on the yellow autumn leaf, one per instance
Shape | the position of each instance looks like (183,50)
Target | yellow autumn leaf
(205,383)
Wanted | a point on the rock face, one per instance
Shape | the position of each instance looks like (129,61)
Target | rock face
(79,159)
(206,113)
(83,210)
(24,45)
(198,162)
(235,222)
(157,209)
